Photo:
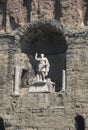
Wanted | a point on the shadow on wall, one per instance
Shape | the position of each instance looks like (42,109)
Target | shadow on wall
(86,12)
(57,65)
(2,124)
(57,9)
(79,122)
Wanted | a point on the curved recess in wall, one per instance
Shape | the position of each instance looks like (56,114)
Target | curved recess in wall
(47,37)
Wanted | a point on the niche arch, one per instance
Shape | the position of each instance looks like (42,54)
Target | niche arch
(2,124)
(79,122)
(47,37)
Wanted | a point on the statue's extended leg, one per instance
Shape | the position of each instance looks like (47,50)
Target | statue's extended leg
(43,76)
(40,77)
(37,77)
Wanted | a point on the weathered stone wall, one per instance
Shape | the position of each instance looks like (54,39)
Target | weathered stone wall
(42,9)
(44,111)
(16,13)
(77,76)
(74,13)
(71,12)
(6,72)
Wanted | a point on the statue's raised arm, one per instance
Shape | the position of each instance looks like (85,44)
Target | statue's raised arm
(36,56)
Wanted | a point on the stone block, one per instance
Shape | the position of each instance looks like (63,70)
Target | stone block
(39,86)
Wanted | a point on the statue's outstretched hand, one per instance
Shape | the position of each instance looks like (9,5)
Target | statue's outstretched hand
(36,55)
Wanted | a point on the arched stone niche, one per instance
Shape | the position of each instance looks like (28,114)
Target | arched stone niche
(47,37)
(79,122)
(2,127)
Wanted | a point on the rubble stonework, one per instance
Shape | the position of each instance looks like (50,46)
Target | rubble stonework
(57,29)
(16,13)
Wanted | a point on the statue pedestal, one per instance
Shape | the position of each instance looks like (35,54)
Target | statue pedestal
(42,86)
(39,86)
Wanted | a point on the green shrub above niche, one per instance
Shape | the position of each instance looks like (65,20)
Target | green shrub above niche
(2,1)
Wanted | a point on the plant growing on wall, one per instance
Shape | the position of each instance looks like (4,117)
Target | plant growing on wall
(2,1)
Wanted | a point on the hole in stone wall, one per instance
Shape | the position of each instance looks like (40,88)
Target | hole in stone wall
(57,9)
(86,12)
(79,122)
(13,24)
(23,73)
(27,4)
(3,13)
(2,124)
(26,78)
(53,46)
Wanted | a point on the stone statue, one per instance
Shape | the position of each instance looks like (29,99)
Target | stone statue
(40,84)
(42,67)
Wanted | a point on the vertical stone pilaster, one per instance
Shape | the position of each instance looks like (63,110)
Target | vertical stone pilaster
(63,80)
(16,87)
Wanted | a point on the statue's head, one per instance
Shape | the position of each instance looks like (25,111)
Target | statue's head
(42,55)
